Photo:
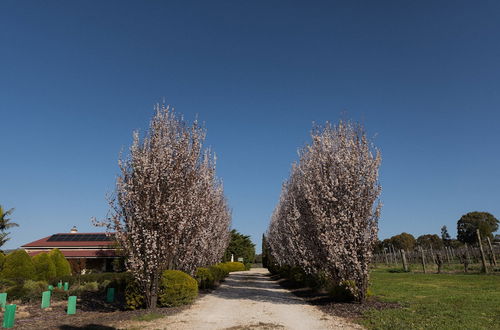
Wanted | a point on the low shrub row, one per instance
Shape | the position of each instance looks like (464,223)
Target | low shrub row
(18,266)
(344,291)
(178,288)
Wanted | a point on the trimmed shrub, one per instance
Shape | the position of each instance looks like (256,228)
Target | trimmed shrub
(44,267)
(62,265)
(205,278)
(134,298)
(233,266)
(218,272)
(18,266)
(176,288)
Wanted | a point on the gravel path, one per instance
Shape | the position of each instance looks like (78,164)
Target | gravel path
(251,300)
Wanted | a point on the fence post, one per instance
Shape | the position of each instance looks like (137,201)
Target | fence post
(403,257)
(483,258)
(492,252)
(423,259)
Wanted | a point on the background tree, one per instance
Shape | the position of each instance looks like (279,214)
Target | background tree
(63,268)
(5,224)
(425,241)
(327,218)
(470,222)
(44,267)
(18,266)
(445,236)
(240,246)
(169,209)
(403,241)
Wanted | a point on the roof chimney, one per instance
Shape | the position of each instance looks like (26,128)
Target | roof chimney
(73,230)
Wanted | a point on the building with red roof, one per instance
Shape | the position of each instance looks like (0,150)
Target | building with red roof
(84,251)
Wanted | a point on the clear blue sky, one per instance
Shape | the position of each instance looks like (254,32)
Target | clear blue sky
(76,78)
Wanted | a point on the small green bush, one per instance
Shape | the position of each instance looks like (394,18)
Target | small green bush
(176,288)
(19,292)
(59,294)
(134,297)
(218,272)
(233,266)
(63,268)
(36,286)
(5,284)
(205,278)
(18,267)
(45,268)
(345,291)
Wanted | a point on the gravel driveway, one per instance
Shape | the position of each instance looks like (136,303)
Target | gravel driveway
(251,300)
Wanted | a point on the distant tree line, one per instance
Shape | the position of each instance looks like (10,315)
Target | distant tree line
(467,226)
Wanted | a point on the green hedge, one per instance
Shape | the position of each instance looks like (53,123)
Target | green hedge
(44,267)
(62,265)
(205,278)
(233,266)
(18,267)
(176,288)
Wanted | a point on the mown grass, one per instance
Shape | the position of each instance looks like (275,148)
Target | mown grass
(148,317)
(435,301)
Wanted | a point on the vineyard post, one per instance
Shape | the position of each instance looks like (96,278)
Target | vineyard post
(423,259)
(483,258)
(403,257)
(467,253)
(492,252)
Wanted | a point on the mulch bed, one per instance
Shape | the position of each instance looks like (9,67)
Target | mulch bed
(91,313)
(350,310)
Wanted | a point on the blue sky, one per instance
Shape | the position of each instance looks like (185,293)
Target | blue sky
(76,78)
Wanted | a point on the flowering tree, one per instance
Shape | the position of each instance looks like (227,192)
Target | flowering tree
(327,218)
(168,210)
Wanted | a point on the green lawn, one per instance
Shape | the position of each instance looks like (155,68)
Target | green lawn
(435,301)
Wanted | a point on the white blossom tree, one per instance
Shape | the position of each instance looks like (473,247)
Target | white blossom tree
(327,218)
(168,210)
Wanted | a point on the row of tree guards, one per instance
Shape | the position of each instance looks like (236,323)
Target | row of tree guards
(465,255)
(9,315)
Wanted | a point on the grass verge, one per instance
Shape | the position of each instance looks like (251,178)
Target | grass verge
(435,301)
(148,317)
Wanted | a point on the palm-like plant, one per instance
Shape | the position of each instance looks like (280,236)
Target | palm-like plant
(5,223)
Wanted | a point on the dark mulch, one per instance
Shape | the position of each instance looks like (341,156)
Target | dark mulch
(350,310)
(92,313)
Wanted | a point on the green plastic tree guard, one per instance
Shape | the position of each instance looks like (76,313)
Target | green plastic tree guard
(9,316)
(50,287)
(71,305)
(45,299)
(110,297)
(59,285)
(3,299)
(66,286)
